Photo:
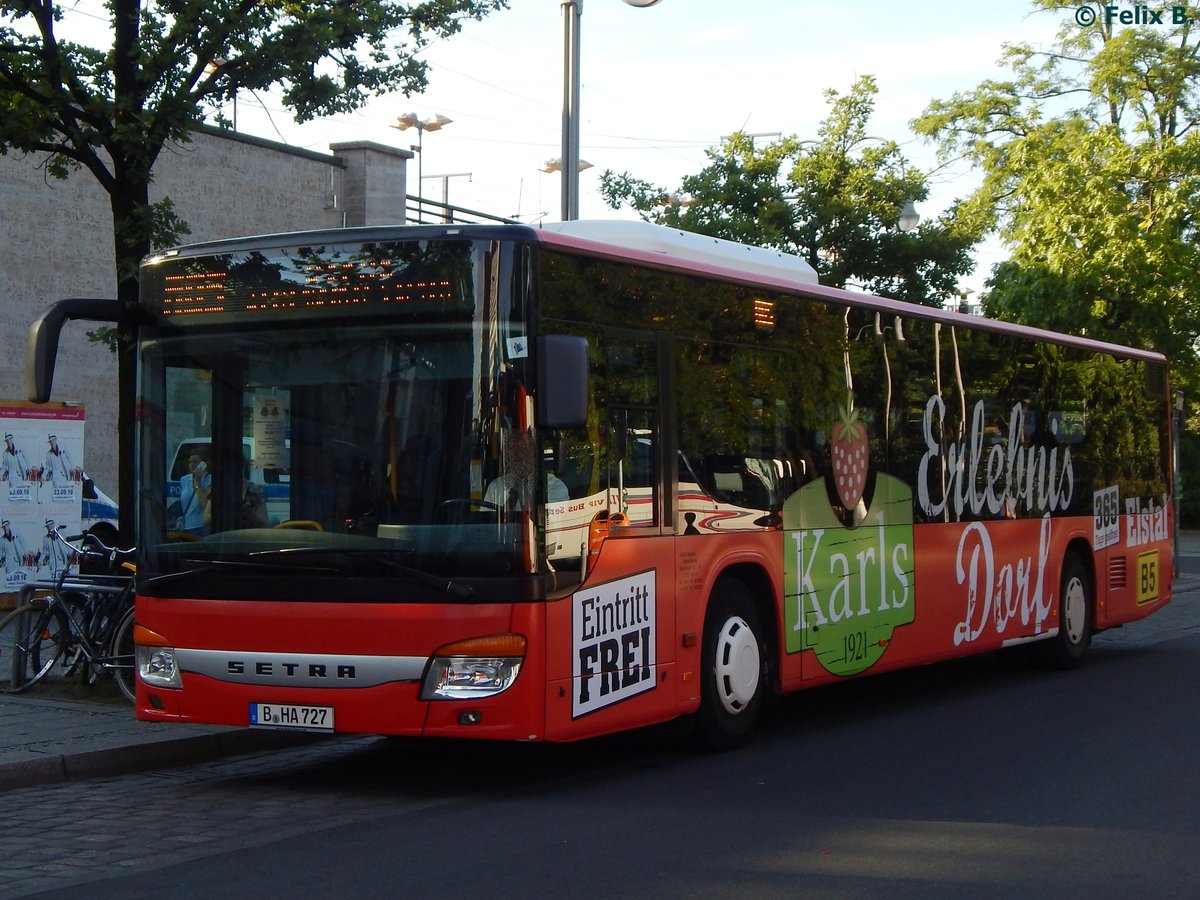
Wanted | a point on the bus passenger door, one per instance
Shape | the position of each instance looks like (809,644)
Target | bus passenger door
(633,469)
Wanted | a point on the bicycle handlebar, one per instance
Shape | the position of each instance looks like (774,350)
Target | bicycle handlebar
(109,553)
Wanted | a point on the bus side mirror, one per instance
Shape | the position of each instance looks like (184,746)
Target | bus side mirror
(41,350)
(562,381)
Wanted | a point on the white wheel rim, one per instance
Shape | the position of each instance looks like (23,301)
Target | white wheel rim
(1074,610)
(738,665)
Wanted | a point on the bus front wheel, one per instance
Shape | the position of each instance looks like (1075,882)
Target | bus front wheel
(733,666)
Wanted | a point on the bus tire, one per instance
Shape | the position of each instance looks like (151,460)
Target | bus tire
(1069,646)
(733,668)
(124,657)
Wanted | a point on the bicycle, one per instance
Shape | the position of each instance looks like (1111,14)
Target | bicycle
(84,623)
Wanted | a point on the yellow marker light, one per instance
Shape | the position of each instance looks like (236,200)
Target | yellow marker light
(490,645)
(148,638)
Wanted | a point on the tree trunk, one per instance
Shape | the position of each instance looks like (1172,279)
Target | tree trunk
(130,205)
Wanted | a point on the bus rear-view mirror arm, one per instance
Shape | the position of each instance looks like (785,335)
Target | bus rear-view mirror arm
(42,347)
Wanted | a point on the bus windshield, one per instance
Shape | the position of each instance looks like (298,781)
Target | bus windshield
(363,449)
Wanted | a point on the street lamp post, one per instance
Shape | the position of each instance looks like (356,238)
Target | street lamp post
(412,120)
(572,12)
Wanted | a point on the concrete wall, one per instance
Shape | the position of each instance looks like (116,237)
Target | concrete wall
(57,242)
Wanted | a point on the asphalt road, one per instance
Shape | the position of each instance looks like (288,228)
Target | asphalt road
(980,778)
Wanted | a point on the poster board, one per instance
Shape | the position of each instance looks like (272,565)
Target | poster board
(41,488)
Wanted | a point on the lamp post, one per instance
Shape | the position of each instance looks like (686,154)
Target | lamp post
(572,11)
(412,120)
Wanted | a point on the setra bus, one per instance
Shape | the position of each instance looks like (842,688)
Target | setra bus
(551,483)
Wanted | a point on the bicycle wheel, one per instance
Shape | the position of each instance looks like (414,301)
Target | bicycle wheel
(92,617)
(32,638)
(122,657)
(105,612)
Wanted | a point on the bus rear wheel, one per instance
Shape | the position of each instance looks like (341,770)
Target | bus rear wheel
(1068,647)
(733,668)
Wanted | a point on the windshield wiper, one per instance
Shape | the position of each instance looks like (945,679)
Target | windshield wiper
(447,585)
(217,564)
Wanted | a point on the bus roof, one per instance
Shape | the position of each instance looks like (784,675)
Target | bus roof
(662,247)
(689,247)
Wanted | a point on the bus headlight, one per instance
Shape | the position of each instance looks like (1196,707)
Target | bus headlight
(156,664)
(475,668)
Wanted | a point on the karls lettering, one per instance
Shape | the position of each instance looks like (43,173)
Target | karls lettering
(850,581)
(847,590)
(1009,476)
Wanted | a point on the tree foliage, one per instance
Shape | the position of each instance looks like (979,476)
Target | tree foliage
(1089,155)
(835,201)
(111,110)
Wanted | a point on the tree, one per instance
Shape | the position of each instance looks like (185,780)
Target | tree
(1089,155)
(112,111)
(835,201)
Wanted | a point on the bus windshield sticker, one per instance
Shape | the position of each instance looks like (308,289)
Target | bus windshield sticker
(518,347)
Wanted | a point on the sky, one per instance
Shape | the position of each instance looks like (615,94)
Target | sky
(660,85)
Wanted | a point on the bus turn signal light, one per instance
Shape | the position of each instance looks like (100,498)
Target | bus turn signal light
(491,645)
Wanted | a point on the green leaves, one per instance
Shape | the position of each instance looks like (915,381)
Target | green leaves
(167,64)
(1089,156)
(835,201)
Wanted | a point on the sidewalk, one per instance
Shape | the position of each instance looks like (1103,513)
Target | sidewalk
(62,733)
(58,733)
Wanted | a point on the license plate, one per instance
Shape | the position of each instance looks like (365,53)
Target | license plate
(291,716)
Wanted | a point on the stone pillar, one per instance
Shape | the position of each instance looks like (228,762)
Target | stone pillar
(375,182)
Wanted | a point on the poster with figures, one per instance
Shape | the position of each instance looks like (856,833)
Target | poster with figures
(41,474)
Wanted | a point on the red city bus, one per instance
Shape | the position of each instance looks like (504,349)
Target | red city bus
(547,484)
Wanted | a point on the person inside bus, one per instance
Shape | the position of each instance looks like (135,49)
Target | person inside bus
(510,491)
(252,511)
(195,492)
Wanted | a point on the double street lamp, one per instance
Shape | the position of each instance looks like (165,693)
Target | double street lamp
(435,123)
(556,165)
(572,11)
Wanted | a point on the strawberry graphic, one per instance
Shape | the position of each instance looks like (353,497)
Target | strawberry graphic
(848,453)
